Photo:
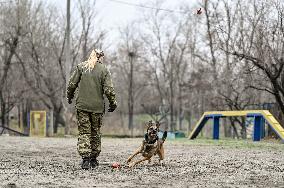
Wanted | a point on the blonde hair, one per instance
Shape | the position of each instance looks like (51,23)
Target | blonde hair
(95,56)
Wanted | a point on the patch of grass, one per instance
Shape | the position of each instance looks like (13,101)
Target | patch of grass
(232,143)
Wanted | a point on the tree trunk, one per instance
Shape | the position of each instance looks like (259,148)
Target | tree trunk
(19,116)
(180,108)
(188,118)
(51,123)
(235,134)
(243,129)
(3,114)
(67,71)
(181,117)
(56,122)
(171,105)
(227,129)
(26,107)
(130,94)
(7,119)
(58,118)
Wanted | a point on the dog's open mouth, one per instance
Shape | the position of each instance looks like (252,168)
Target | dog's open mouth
(154,133)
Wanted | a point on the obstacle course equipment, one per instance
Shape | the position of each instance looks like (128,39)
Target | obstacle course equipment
(260,117)
(37,123)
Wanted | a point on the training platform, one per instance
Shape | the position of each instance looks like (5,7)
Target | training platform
(260,117)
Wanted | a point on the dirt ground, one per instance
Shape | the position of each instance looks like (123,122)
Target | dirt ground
(54,162)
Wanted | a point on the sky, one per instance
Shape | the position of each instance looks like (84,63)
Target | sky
(114,11)
(115,14)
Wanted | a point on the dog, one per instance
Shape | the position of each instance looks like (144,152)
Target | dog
(151,145)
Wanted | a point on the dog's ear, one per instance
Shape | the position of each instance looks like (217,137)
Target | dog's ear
(149,124)
(158,124)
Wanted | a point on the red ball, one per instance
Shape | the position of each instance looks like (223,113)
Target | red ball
(115,165)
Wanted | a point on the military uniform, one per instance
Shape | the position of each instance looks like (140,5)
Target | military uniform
(92,86)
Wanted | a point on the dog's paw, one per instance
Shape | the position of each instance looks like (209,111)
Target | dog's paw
(131,165)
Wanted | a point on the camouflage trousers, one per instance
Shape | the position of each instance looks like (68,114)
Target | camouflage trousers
(89,140)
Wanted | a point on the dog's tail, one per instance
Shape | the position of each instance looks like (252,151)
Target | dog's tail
(165,134)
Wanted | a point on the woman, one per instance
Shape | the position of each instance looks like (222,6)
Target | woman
(93,81)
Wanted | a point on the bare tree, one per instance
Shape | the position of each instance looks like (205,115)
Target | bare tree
(12,32)
(166,40)
(129,66)
(264,47)
(40,63)
(91,35)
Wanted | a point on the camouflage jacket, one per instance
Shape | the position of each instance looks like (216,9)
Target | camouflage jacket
(92,85)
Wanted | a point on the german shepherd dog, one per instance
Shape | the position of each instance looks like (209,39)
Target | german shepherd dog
(151,145)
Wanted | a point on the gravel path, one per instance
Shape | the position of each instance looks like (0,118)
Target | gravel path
(54,162)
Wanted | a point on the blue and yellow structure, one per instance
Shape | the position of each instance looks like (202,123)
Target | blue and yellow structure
(259,116)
